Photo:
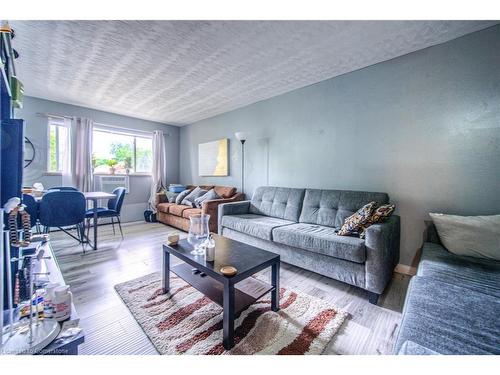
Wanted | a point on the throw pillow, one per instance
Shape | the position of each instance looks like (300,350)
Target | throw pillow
(474,236)
(196,193)
(380,214)
(171,196)
(181,196)
(354,223)
(211,194)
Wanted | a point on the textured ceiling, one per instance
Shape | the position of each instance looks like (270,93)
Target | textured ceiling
(179,72)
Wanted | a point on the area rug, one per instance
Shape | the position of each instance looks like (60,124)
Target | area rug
(186,322)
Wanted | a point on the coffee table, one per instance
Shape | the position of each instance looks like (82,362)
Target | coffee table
(233,293)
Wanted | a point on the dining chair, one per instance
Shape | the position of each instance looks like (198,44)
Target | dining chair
(112,211)
(65,188)
(62,209)
(32,208)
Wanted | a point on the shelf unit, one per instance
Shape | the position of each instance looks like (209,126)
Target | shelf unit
(11,169)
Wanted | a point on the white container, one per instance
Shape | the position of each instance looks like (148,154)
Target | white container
(48,300)
(62,303)
(209,246)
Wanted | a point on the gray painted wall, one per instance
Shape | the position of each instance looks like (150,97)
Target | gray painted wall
(36,130)
(424,127)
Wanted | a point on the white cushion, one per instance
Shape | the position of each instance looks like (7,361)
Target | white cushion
(475,236)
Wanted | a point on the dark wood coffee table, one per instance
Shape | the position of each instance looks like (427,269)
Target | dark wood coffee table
(234,293)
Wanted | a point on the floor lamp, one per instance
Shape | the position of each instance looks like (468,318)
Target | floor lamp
(242,137)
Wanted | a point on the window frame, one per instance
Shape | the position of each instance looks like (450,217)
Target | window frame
(57,122)
(127,132)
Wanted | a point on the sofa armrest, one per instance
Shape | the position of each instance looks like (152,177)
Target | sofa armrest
(160,198)
(382,253)
(235,208)
(211,207)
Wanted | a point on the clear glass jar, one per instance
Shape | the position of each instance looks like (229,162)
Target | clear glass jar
(198,232)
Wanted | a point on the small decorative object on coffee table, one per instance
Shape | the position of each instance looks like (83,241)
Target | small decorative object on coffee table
(198,232)
(172,239)
(228,271)
(234,293)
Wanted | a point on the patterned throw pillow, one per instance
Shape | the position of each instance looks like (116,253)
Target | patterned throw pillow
(380,215)
(181,196)
(211,194)
(354,223)
(196,193)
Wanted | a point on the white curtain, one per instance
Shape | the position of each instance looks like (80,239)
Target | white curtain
(84,178)
(67,162)
(158,173)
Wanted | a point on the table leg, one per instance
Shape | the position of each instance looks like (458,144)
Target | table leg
(275,282)
(95,223)
(228,316)
(166,272)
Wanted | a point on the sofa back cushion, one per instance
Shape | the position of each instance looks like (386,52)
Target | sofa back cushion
(225,191)
(331,207)
(279,202)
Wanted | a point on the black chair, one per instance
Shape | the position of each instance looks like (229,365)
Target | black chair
(112,211)
(63,209)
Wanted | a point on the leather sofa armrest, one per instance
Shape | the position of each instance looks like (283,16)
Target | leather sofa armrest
(382,253)
(234,208)
(211,207)
(161,198)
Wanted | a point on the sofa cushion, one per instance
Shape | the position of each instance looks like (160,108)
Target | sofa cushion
(475,236)
(177,209)
(255,225)
(191,197)
(450,319)
(208,196)
(281,203)
(182,195)
(225,191)
(321,240)
(412,348)
(190,212)
(482,275)
(331,207)
(163,207)
(171,196)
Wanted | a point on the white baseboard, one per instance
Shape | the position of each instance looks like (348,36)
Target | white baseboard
(405,270)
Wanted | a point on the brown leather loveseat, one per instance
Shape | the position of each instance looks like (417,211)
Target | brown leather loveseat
(177,215)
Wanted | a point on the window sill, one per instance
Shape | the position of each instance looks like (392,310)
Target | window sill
(53,174)
(123,174)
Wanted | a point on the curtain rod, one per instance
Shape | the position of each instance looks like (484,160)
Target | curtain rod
(42,114)
(123,128)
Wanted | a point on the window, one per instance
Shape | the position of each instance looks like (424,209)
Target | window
(59,152)
(120,152)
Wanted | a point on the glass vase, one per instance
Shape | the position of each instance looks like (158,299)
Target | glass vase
(198,232)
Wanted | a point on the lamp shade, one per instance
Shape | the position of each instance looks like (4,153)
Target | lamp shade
(241,136)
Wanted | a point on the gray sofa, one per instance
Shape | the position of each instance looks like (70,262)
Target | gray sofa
(452,305)
(299,225)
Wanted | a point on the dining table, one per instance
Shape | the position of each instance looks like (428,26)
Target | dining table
(95,196)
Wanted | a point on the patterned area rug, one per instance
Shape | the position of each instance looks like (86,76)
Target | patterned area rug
(185,322)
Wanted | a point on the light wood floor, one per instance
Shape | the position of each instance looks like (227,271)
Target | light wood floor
(111,329)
